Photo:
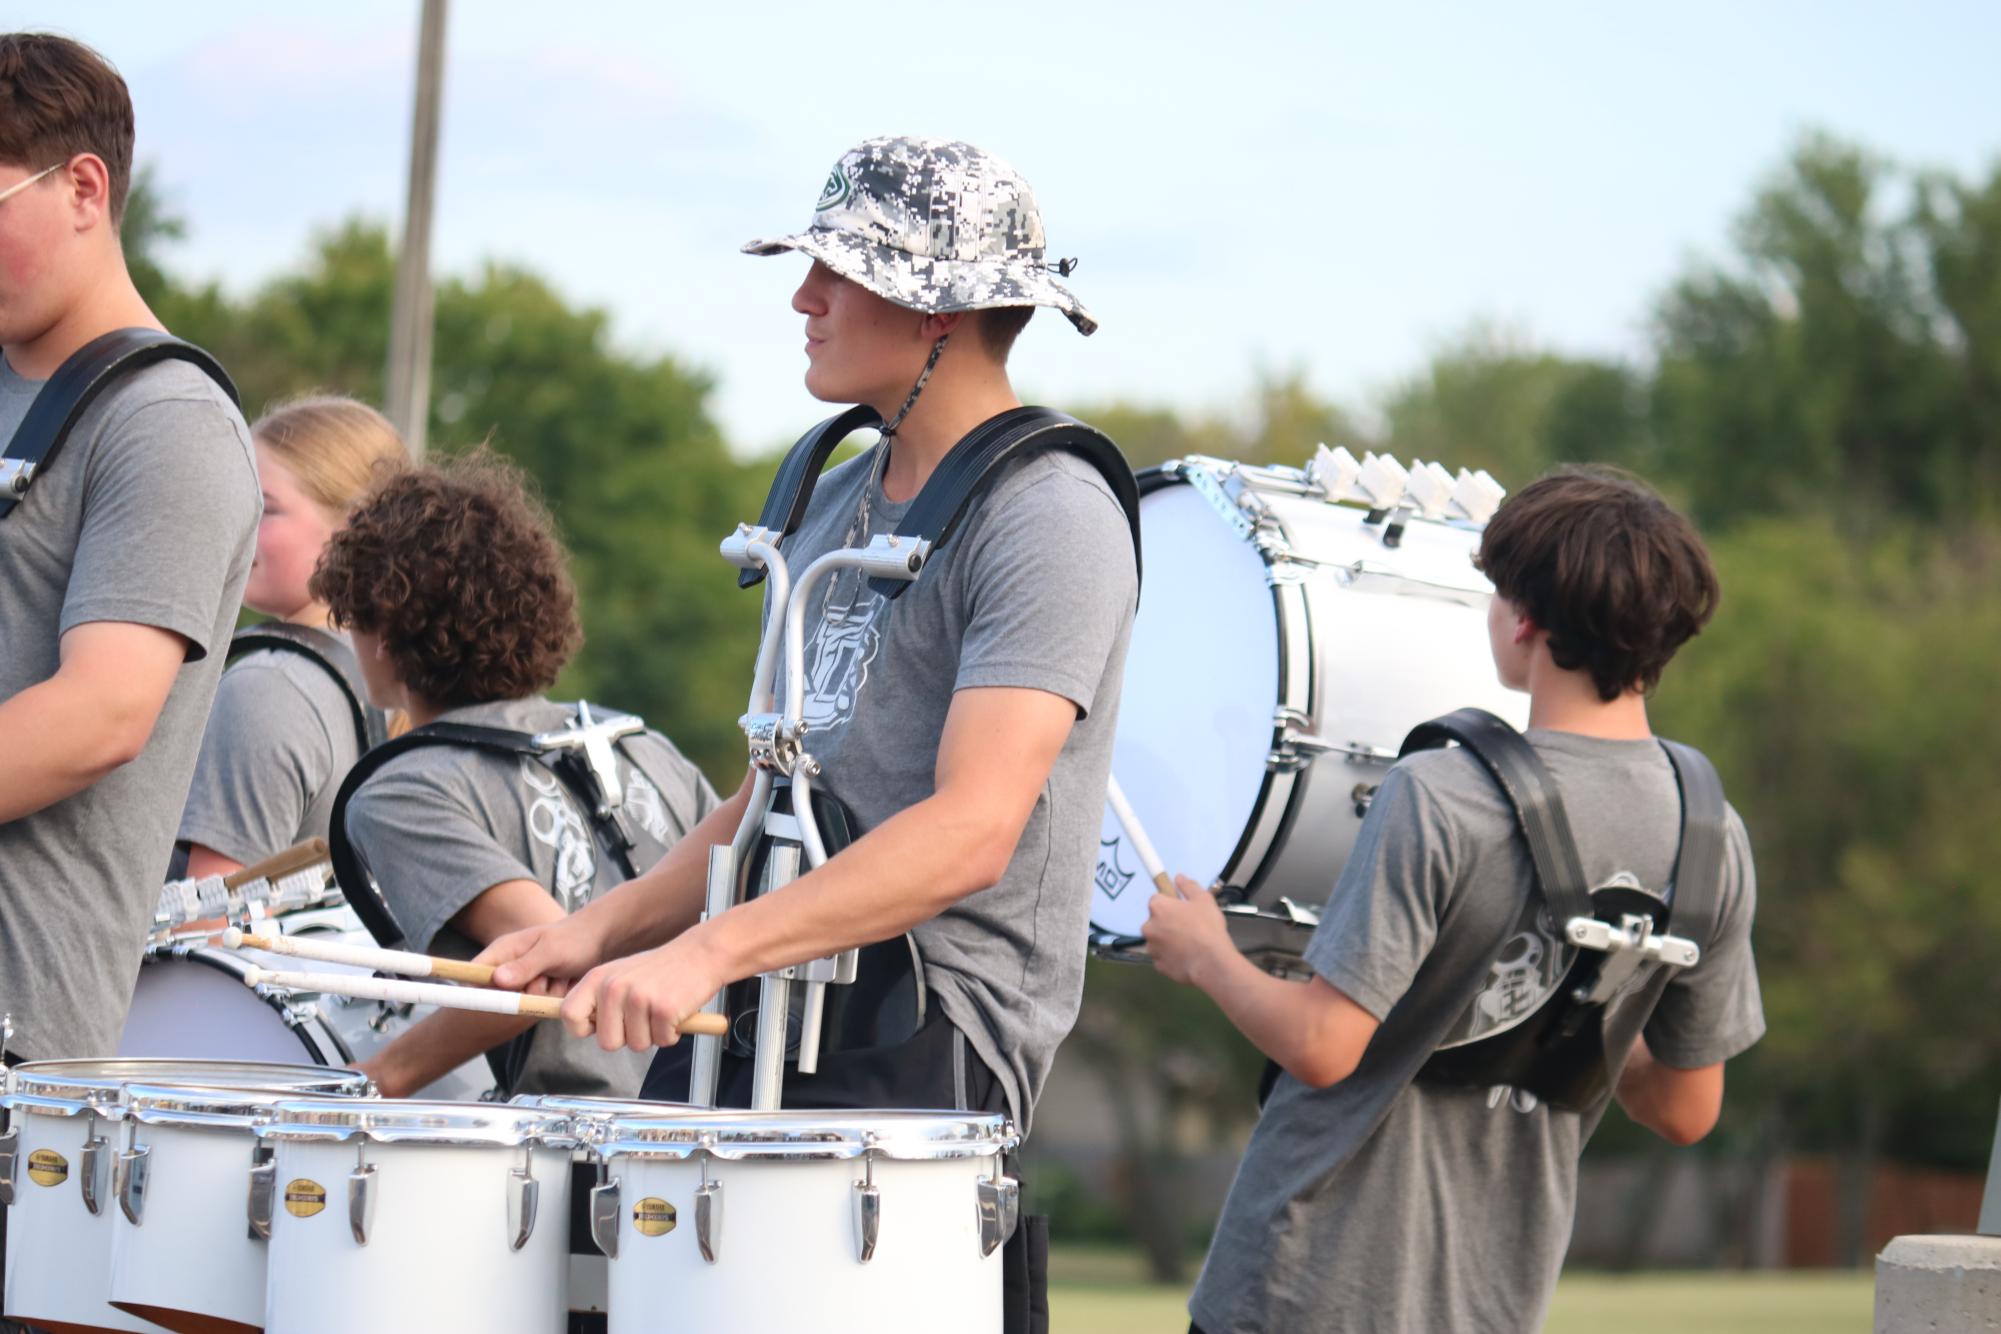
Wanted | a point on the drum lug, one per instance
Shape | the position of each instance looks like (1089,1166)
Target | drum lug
(10,1149)
(91,1166)
(129,1182)
(867,1211)
(263,1193)
(709,1216)
(1000,1209)
(604,1216)
(361,1202)
(524,1192)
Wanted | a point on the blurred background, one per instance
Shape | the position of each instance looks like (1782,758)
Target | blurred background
(1752,252)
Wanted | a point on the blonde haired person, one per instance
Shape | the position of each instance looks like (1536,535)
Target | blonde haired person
(286,729)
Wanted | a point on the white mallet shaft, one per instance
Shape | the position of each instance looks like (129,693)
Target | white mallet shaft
(1129,821)
(398,992)
(404,962)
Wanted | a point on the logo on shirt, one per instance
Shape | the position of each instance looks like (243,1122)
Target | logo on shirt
(646,804)
(1111,878)
(555,824)
(838,658)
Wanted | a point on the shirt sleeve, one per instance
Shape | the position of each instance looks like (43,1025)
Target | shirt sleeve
(169,516)
(1050,586)
(1382,918)
(264,757)
(429,850)
(1713,1011)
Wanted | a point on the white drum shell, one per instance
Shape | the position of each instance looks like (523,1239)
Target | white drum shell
(192,1250)
(437,1256)
(787,1250)
(1241,640)
(58,1252)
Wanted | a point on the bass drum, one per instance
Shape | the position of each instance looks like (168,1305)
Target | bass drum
(1284,647)
(191,1002)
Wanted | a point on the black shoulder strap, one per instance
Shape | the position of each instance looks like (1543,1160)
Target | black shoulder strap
(371,725)
(76,384)
(975,461)
(1698,867)
(800,472)
(1530,790)
(350,867)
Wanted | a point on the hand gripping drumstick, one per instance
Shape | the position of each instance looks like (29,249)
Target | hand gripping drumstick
(363,956)
(1142,845)
(398,992)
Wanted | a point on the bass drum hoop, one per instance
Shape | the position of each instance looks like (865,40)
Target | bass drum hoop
(1280,793)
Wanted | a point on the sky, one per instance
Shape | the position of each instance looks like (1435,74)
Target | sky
(1328,189)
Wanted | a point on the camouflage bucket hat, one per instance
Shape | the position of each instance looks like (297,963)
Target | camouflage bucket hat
(934,225)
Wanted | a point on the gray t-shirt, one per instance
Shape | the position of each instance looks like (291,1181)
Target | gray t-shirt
(278,742)
(1381,1204)
(1036,589)
(148,516)
(441,825)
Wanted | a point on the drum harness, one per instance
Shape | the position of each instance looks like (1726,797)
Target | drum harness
(76,384)
(788,822)
(1556,1052)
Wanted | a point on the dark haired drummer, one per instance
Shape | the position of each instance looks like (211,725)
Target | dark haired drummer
(455,589)
(1372,1198)
(968,723)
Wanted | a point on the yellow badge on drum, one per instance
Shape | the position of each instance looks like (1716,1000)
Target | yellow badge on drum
(653,1216)
(46,1167)
(304,1198)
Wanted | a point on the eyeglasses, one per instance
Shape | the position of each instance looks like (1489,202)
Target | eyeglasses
(19,186)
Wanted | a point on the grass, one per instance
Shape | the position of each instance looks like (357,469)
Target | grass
(1104,1291)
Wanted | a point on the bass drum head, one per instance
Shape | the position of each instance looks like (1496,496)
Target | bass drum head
(195,1005)
(1195,715)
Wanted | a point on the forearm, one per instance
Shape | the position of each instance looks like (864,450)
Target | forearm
(1282,1019)
(653,908)
(61,738)
(438,1045)
(908,870)
(1681,1106)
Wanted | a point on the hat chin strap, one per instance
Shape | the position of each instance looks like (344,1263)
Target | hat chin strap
(923,378)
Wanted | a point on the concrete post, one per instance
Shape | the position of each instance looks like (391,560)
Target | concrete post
(1933,1284)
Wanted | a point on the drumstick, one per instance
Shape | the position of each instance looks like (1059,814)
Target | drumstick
(295,858)
(362,956)
(398,992)
(1142,845)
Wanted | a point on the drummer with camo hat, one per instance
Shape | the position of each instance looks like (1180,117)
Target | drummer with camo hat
(967,724)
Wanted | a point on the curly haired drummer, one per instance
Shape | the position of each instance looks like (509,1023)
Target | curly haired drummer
(967,724)
(455,590)
(1372,1197)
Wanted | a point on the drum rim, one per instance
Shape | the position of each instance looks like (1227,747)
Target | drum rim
(66,1087)
(738,1135)
(410,1121)
(218,1106)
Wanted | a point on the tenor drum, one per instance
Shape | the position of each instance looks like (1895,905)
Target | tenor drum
(406,1216)
(191,1002)
(61,1171)
(733,1222)
(1283,649)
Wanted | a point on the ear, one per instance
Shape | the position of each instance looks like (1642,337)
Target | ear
(1525,629)
(937,326)
(90,190)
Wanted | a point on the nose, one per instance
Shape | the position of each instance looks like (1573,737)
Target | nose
(810,298)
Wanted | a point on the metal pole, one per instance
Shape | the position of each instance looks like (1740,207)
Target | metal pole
(409,394)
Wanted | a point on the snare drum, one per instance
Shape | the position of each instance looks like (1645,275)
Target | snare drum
(57,1171)
(406,1216)
(1284,648)
(191,1002)
(734,1222)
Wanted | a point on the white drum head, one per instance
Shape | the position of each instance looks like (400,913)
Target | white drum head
(196,1007)
(1195,717)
